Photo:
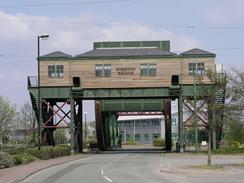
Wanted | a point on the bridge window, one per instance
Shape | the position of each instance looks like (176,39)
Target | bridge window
(196,68)
(55,71)
(103,70)
(148,70)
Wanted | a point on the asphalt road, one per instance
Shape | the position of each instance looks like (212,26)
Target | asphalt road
(144,167)
(100,168)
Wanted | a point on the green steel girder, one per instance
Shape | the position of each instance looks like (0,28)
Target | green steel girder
(125,93)
(127,105)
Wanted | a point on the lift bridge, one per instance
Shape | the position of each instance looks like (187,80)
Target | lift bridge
(135,76)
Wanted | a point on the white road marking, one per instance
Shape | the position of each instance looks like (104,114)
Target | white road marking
(108,179)
(109,164)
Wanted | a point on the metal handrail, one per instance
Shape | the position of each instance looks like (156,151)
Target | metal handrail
(32,81)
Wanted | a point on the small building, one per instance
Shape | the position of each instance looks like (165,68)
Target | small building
(141,129)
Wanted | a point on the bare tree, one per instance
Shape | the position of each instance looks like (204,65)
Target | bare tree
(214,93)
(235,92)
(28,120)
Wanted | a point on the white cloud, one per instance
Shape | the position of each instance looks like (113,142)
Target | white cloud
(18,35)
(75,38)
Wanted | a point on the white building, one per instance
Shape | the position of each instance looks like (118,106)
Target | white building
(142,129)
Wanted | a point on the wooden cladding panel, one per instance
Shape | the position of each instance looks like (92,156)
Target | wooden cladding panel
(85,69)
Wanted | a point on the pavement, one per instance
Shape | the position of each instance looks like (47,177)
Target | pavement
(18,173)
(192,168)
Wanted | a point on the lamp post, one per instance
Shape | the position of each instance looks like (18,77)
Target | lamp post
(43,37)
(195,116)
(85,127)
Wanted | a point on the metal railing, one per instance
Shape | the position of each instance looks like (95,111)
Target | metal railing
(32,81)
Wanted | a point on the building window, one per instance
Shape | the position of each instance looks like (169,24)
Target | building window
(174,136)
(146,138)
(55,71)
(138,123)
(156,135)
(173,121)
(155,122)
(144,123)
(103,70)
(148,70)
(197,69)
(149,123)
(128,137)
(137,137)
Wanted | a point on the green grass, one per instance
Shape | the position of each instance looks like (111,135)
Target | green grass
(229,150)
(212,167)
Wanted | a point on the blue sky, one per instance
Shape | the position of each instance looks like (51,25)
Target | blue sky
(216,26)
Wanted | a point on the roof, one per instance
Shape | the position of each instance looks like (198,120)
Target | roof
(129,118)
(197,52)
(163,45)
(125,52)
(57,54)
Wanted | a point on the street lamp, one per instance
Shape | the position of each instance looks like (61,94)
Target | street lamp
(43,37)
(85,127)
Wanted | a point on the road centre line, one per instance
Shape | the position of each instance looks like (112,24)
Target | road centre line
(109,164)
(108,179)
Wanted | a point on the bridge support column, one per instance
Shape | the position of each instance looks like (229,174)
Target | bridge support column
(180,144)
(99,126)
(78,127)
(72,125)
(167,117)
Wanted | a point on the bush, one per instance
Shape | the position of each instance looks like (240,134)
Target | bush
(229,150)
(49,152)
(92,142)
(28,155)
(234,144)
(23,158)
(159,142)
(131,142)
(6,160)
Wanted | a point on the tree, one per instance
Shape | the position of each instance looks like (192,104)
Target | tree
(235,131)
(234,113)
(7,113)
(215,109)
(28,120)
(60,137)
(235,93)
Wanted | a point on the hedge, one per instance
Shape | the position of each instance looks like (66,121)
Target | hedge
(131,142)
(23,158)
(49,152)
(229,150)
(159,142)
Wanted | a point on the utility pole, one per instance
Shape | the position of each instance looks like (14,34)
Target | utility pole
(134,131)
(85,127)
(195,117)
